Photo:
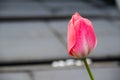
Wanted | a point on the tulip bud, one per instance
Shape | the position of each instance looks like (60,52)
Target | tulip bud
(81,36)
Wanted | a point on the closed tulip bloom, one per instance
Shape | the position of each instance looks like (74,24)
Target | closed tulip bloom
(81,36)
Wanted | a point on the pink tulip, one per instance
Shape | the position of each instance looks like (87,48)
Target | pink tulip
(81,36)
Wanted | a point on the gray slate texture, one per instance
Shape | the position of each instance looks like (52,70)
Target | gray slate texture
(14,76)
(78,74)
(27,8)
(28,41)
(101,71)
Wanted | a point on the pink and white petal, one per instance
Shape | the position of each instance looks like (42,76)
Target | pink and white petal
(71,36)
(81,47)
(90,35)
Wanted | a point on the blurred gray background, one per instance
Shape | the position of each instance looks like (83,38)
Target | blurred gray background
(33,39)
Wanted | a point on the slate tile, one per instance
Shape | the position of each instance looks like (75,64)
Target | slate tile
(14,76)
(29,41)
(77,74)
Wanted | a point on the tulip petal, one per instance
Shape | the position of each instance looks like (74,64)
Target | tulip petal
(81,47)
(90,35)
(75,17)
(71,36)
(72,32)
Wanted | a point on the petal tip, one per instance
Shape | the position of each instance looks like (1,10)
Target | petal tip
(77,14)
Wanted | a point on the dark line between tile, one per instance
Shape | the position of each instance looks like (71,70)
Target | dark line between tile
(47,18)
(41,62)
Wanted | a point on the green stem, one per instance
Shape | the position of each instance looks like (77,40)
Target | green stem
(88,69)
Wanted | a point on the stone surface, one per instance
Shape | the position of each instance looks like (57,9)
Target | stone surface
(29,41)
(111,71)
(14,76)
(78,74)
(61,28)
(108,39)
(26,8)
(22,8)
